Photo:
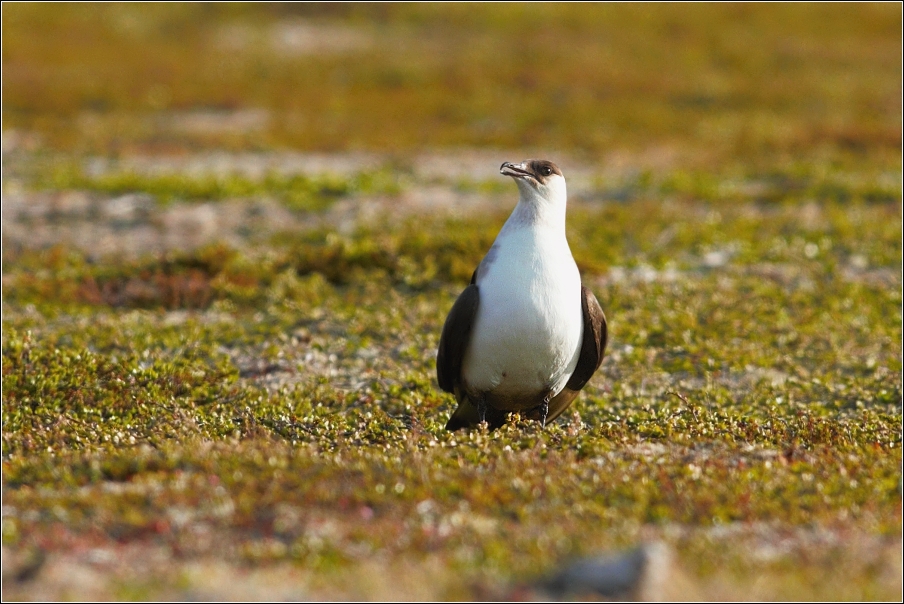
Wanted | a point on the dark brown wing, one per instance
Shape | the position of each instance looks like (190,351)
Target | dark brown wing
(594,345)
(456,336)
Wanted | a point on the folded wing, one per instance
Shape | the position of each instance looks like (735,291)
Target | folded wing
(453,342)
(593,346)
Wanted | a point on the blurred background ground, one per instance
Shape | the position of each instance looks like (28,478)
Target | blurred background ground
(231,234)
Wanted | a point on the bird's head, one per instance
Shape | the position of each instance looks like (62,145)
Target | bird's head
(537,178)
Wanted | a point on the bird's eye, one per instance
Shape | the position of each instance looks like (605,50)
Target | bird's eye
(547,171)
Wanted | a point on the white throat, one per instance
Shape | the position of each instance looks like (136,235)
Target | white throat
(543,209)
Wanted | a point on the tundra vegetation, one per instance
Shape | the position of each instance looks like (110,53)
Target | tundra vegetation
(231,235)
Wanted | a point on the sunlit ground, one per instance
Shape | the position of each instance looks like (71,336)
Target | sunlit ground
(231,235)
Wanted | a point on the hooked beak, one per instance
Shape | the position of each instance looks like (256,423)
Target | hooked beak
(515,170)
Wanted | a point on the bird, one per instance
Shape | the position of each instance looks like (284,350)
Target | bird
(525,335)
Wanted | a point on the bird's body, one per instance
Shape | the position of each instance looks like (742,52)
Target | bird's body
(528,327)
(525,335)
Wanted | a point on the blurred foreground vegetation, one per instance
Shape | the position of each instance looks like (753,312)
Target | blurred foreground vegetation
(267,409)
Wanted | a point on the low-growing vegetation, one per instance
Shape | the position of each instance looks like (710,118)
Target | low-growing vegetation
(239,387)
(253,414)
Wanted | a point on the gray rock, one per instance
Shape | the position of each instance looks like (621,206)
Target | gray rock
(638,575)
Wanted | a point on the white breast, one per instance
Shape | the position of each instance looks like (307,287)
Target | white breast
(527,333)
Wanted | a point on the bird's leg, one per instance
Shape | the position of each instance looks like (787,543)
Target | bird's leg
(544,408)
(544,411)
(482,408)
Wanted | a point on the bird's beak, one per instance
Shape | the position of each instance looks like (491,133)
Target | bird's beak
(514,170)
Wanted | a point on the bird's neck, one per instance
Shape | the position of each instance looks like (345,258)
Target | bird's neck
(535,212)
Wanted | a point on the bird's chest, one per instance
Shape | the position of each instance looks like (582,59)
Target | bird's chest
(526,335)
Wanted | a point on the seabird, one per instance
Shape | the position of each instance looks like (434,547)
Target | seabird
(525,335)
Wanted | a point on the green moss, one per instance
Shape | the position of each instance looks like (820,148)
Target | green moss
(272,405)
(297,191)
(764,253)
(738,394)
